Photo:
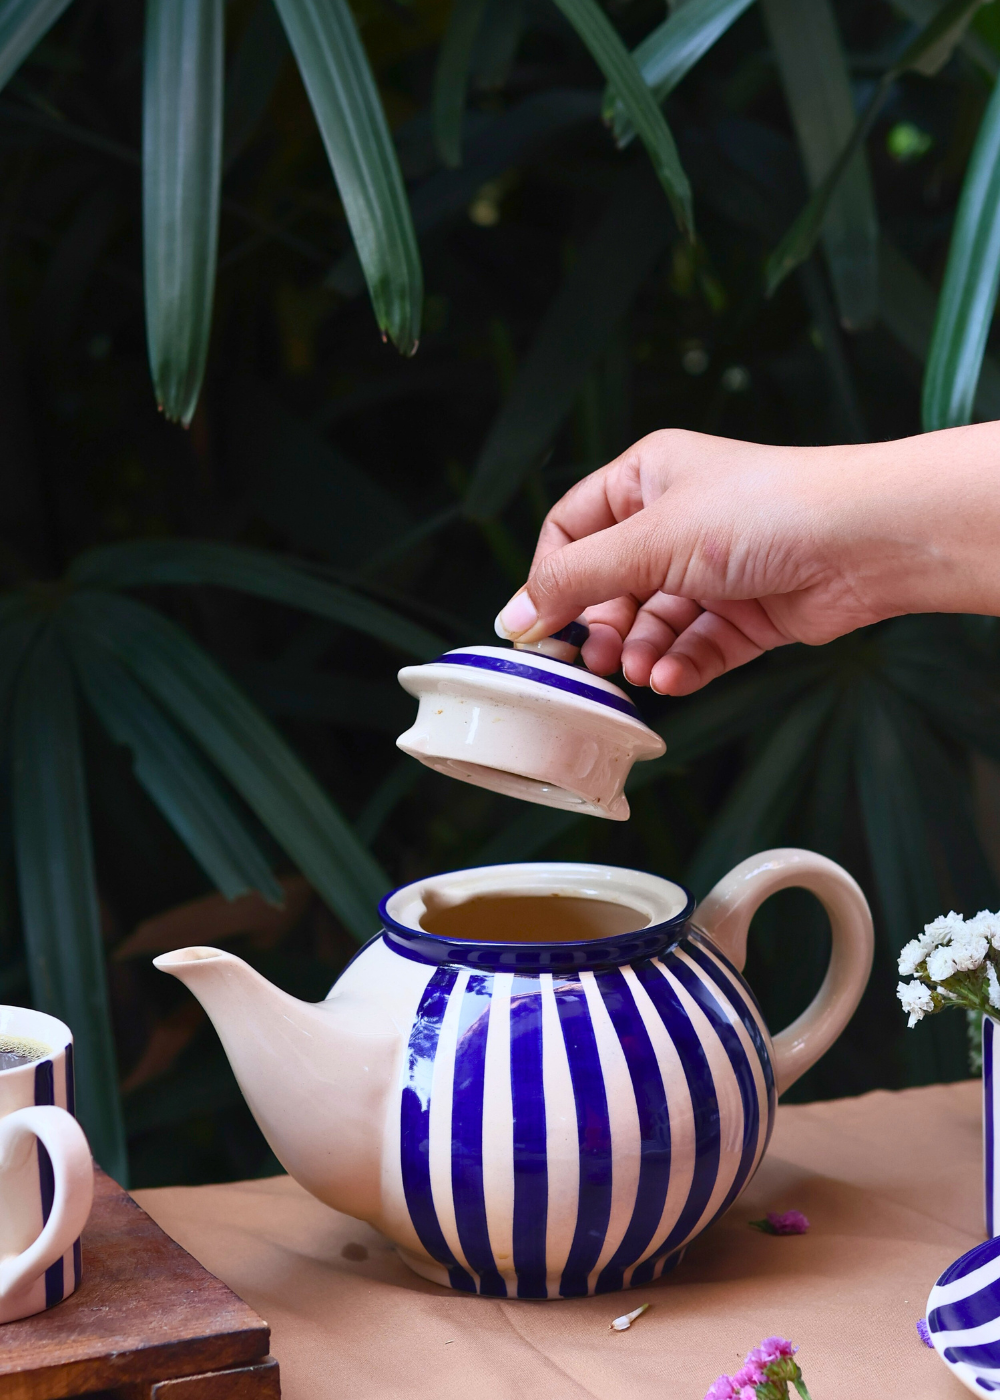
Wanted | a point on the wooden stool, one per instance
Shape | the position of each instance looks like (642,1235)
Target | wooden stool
(147,1323)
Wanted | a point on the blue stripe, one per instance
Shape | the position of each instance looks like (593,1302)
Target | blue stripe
(540,677)
(593,1130)
(70,1081)
(47,1189)
(989,1128)
(45,1084)
(982,1355)
(737,1056)
(467,1136)
(414,1125)
(743,999)
(531,1185)
(973,1311)
(654,1127)
(77,1263)
(705,1106)
(975,1258)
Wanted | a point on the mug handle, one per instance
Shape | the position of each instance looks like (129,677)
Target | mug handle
(725,914)
(73,1169)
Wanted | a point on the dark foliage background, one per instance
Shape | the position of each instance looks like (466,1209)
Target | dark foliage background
(547,248)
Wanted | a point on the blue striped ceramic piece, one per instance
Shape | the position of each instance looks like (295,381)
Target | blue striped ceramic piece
(568,682)
(566,1132)
(963,1318)
(62,1277)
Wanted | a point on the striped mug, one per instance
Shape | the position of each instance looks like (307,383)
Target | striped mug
(46,1171)
(526,1117)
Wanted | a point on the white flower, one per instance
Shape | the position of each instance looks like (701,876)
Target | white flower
(966,951)
(916,1000)
(987,925)
(941,930)
(911,957)
(994,985)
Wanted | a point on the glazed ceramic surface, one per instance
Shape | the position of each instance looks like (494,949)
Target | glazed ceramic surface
(528,725)
(46,1173)
(537,1120)
(963,1317)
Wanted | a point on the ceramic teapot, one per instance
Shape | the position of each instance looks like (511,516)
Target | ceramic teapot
(531,1118)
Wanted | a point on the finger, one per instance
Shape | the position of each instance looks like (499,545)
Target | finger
(710,647)
(624,559)
(600,500)
(609,623)
(658,624)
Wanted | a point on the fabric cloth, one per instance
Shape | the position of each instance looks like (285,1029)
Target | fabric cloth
(892,1185)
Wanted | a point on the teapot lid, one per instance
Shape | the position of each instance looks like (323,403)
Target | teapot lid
(528,723)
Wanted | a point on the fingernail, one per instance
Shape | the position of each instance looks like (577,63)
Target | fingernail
(517,617)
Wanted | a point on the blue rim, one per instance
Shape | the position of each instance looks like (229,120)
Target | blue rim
(433,949)
(570,684)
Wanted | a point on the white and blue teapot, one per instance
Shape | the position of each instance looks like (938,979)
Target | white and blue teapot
(532,1117)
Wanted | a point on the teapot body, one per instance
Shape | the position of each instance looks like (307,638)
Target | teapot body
(560,1133)
(527,1118)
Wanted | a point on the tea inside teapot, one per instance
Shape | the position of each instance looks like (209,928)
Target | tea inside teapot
(531,918)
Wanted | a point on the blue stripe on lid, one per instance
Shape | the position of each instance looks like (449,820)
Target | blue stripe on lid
(593,1129)
(509,667)
(531,1182)
(654,1127)
(973,1311)
(467,1136)
(704,1103)
(414,1126)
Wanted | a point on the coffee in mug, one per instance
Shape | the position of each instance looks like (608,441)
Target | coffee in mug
(46,1171)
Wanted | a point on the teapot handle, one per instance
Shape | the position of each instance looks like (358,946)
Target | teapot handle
(725,914)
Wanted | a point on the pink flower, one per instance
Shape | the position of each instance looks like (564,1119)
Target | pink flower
(722,1389)
(771,1348)
(750,1373)
(789,1222)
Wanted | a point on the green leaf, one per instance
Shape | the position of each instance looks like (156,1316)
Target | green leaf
(451,78)
(181,176)
(22,24)
(907,306)
(245,748)
(969,291)
(753,813)
(55,869)
(801,237)
(817,85)
(596,293)
(499,37)
(618,66)
(145,562)
(670,52)
(344,97)
(974,47)
(174,776)
(893,812)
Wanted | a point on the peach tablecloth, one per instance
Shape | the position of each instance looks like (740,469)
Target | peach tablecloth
(891,1183)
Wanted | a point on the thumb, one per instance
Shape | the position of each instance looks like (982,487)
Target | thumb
(629,558)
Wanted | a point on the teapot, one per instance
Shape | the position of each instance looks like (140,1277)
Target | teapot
(529,1118)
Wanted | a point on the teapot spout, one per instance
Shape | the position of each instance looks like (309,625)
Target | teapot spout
(316,1076)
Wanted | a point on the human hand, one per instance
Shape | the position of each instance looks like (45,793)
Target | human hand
(690,555)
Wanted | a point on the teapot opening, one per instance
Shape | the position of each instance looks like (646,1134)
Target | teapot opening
(539,915)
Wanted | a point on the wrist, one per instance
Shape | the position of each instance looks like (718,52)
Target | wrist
(922,522)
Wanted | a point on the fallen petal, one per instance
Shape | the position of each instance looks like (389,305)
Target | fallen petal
(621,1323)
